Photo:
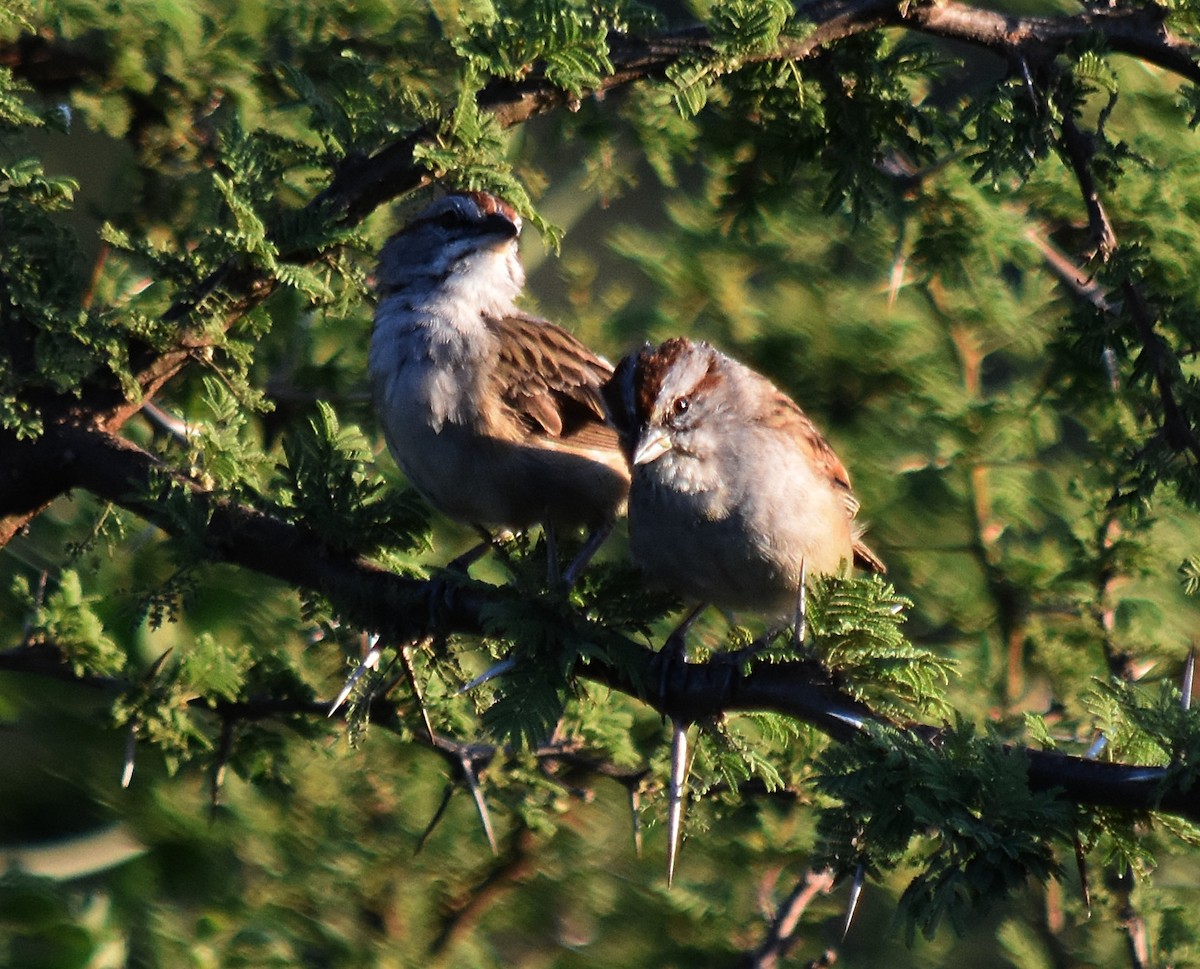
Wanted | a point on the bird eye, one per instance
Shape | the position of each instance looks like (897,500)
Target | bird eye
(679,408)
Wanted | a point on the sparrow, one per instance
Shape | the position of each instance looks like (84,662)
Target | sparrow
(735,494)
(494,416)
(736,499)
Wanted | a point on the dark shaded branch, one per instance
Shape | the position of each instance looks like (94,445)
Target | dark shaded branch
(1080,150)
(466,912)
(373,598)
(1158,358)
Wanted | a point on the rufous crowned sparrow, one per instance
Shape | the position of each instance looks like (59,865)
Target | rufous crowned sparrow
(735,493)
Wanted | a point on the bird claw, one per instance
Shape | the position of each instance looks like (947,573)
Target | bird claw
(673,654)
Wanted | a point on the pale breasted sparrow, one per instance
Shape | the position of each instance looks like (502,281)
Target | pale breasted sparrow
(735,493)
(495,416)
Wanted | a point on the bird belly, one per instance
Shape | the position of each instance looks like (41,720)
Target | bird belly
(445,450)
(736,558)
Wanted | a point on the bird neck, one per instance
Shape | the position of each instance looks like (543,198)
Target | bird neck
(480,285)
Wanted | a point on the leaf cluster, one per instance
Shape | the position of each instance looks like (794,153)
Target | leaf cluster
(568,42)
(960,810)
(326,482)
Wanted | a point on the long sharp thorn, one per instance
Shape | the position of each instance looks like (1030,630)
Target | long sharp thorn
(406,659)
(635,804)
(489,674)
(1084,887)
(485,817)
(1189,676)
(856,887)
(801,627)
(437,816)
(369,662)
(224,749)
(154,667)
(1096,748)
(130,751)
(679,757)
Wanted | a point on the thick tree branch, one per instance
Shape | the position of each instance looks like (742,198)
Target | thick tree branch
(402,609)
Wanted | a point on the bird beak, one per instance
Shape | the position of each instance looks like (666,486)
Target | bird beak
(502,226)
(654,443)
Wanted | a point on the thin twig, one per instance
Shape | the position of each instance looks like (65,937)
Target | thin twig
(781,934)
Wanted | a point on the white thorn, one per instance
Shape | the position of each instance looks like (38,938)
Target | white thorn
(406,653)
(1097,747)
(679,757)
(489,674)
(369,662)
(801,627)
(856,887)
(130,750)
(485,817)
(635,801)
(1189,676)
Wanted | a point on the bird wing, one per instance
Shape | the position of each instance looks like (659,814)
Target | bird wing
(784,414)
(550,382)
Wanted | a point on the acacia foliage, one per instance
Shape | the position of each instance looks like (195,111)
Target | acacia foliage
(976,274)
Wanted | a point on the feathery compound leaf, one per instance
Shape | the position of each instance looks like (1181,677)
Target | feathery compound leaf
(570,43)
(743,27)
(854,628)
(324,482)
(1149,726)
(67,621)
(983,831)
(14,112)
(527,707)
(692,78)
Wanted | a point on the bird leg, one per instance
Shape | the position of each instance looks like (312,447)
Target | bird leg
(800,627)
(474,553)
(674,650)
(591,546)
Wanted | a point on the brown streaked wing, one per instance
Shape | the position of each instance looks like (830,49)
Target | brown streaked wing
(784,414)
(550,380)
